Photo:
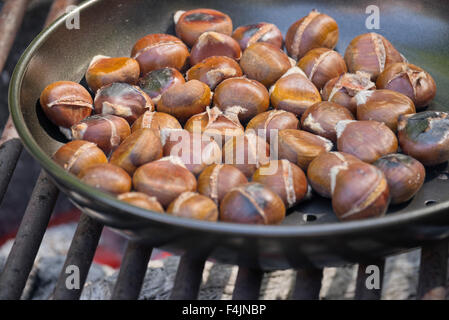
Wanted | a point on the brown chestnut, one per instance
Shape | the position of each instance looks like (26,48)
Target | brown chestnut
(78,155)
(66,103)
(366,140)
(383,106)
(260,32)
(270,122)
(211,44)
(285,179)
(190,25)
(164,179)
(141,200)
(252,203)
(106,177)
(405,176)
(156,51)
(106,70)
(410,80)
(322,119)
(156,121)
(193,205)
(316,30)
(425,136)
(218,179)
(156,82)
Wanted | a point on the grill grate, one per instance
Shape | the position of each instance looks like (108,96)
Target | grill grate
(434,260)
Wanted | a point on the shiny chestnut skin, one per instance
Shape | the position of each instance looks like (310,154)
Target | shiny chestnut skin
(164,179)
(321,65)
(211,44)
(66,103)
(106,177)
(193,205)
(77,155)
(106,70)
(259,32)
(343,89)
(301,147)
(405,176)
(383,106)
(141,200)
(218,179)
(323,170)
(371,53)
(106,131)
(425,136)
(185,100)
(410,80)
(293,92)
(316,30)
(361,192)
(285,179)
(156,121)
(270,122)
(156,51)
(366,140)
(156,82)
(141,147)
(189,25)
(123,100)
(252,203)
(264,62)
(322,119)
(214,70)
(250,95)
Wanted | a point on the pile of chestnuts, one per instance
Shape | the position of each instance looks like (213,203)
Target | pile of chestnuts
(220,124)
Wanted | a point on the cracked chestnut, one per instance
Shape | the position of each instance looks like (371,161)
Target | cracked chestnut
(193,205)
(141,200)
(267,124)
(156,82)
(156,121)
(259,32)
(211,44)
(106,177)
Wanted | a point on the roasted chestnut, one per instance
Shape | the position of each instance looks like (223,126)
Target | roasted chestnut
(405,176)
(156,121)
(211,44)
(193,205)
(260,32)
(316,30)
(156,82)
(141,200)
(269,123)
(106,177)
(252,203)
(366,140)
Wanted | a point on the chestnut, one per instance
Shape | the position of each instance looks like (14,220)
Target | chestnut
(316,30)
(322,171)
(252,203)
(383,106)
(123,100)
(141,147)
(366,140)
(343,89)
(106,177)
(211,44)
(259,32)
(270,122)
(218,179)
(293,92)
(164,179)
(361,191)
(285,179)
(321,65)
(106,70)
(191,24)
(251,96)
(77,155)
(106,131)
(156,82)
(322,119)
(193,205)
(264,62)
(66,103)
(185,100)
(141,200)
(301,147)
(405,176)
(371,53)
(410,80)
(425,136)
(214,70)
(156,121)
(156,51)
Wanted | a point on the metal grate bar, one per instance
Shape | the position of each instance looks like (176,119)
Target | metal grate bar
(247,284)
(308,284)
(10,150)
(433,272)
(80,255)
(132,272)
(362,291)
(188,278)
